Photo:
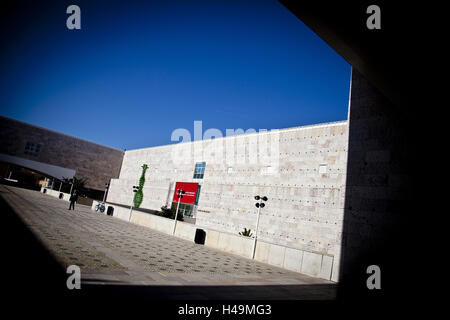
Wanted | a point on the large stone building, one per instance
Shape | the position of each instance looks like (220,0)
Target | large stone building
(301,170)
(55,155)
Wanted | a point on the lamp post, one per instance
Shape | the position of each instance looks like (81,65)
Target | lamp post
(260,204)
(71,185)
(106,190)
(180,195)
(135,189)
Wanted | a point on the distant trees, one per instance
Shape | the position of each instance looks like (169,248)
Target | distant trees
(78,184)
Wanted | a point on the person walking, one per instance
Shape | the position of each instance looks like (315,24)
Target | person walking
(73,199)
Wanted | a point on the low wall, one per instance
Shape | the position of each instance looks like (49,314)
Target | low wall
(152,221)
(185,230)
(120,212)
(85,201)
(94,205)
(310,263)
(66,196)
(55,193)
(236,244)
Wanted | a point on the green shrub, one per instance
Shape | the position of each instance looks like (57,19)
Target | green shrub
(170,213)
(139,195)
(246,233)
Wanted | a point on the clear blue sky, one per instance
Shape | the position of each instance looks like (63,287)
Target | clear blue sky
(138,70)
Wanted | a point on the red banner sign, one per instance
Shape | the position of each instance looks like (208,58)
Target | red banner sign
(190,192)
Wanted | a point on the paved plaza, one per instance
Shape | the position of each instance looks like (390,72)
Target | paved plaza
(113,253)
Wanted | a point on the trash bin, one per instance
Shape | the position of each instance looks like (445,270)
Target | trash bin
(110,211)
(200,236)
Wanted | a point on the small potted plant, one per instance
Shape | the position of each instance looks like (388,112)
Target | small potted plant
(246,232)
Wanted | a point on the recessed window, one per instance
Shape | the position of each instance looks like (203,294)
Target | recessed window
(268,170)
(199,170)
(32,149)
(323,168)
(184,208)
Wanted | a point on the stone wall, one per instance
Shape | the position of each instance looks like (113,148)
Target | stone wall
(379,216)
(93,161)
(303,175)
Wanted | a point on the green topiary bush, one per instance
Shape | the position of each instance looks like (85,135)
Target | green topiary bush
(139,195)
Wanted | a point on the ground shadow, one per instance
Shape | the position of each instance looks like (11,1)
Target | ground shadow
(382,223)
(379,206)
(205,292)
(33,275)
(29,271)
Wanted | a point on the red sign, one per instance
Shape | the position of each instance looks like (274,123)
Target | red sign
(190,192)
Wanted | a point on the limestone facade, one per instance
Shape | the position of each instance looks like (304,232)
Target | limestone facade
(301,170)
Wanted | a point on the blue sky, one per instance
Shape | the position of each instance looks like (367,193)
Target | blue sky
(138,70)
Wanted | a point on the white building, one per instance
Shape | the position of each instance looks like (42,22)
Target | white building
(301,170)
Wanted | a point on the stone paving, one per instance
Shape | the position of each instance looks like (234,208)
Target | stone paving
(111,251)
